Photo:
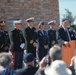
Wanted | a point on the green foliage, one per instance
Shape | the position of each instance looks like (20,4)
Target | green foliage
(70,17)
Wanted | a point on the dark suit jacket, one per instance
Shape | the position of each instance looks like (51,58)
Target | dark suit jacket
(28,70)
(61,35)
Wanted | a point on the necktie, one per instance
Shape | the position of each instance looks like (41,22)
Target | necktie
(42,32)
(67,35)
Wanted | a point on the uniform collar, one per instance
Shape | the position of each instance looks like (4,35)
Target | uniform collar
(64,28)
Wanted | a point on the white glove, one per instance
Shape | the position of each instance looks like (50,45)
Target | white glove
(23,46)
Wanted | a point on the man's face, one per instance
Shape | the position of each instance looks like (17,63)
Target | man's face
(65,24)
(53,26)
(31,24)
(18,26)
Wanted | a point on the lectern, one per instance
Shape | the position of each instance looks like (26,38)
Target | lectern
(68,52)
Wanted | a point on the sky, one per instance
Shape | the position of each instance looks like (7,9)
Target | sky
(67,4)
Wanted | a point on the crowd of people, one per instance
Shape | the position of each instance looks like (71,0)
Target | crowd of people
(43,48)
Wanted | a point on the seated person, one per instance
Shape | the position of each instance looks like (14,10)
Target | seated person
(6,64)
(28,68)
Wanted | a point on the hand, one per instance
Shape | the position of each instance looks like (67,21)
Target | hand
(42,63)
(22,46)
(34,44)
(66,43)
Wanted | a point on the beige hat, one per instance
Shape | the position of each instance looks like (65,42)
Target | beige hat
(58,67)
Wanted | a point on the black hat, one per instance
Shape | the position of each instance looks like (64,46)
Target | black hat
(41,23)
(30,19)
(28,57)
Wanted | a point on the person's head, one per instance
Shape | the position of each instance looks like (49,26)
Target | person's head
(6,59)
(55,53)
(65,22)
(41,25)
(28,59)
(30,22)
(2,25)
(58,67)
(52,24)
(17,24)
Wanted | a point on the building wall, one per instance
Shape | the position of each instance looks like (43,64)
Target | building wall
(42,10)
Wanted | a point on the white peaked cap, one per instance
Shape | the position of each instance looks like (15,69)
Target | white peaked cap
(52,22)
(16,21)
(30,19)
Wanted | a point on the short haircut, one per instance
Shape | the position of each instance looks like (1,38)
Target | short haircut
(55,52)
(5,59)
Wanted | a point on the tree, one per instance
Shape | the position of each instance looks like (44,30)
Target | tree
(70,17)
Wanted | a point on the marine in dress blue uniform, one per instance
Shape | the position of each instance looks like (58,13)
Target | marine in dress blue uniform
(42,47)
(4,38)
(31,36)
(52,33)
(18,43)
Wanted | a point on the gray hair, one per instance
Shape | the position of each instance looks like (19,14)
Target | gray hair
(55,52)
(5,59)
